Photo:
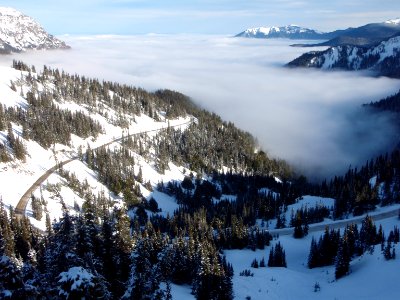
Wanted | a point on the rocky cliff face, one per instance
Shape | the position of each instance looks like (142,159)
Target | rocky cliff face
(19,32)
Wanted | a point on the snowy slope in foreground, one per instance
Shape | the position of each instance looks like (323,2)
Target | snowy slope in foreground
(371,277)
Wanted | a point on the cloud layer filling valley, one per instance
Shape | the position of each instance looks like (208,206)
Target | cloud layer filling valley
(311,118)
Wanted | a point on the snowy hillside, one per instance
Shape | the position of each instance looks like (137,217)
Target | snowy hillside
(19,32)
(393,21)
(289,31)
(39,158)
(371,276)
(382,58)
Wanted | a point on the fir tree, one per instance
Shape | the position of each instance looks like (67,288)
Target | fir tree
(342,265)
(254,264)
(277,256)
(313,256)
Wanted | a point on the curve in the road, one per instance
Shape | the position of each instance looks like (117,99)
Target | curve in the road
(23,202)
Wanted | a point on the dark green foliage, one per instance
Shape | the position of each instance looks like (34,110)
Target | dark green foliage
(317,287)
(368,235)
(280,221)
(79,283)
(342,259)
(389,251)
(37,208)
(391,103)
(324,252)
(187,183)
(304,216)
(7,242)
(262,263)
(314,257)
(21,66)
(394,235)
(10,277)
(300,226)
(4,156)
(333,248)
(246,273)
(3,119)
(277,256)
(144,282)
(254,264)
(16,144)
(353,192)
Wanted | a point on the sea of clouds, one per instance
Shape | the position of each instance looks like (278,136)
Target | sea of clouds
(311,118)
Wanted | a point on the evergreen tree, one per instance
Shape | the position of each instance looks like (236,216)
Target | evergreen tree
(342,265)
(254,263)
(314,256)
(262,263)
(277,256)
(79,283)
(37,209)
(144,281)
(368,235)
(7,242)
(389,251)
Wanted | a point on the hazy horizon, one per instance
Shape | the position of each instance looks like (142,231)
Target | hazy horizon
(200,16)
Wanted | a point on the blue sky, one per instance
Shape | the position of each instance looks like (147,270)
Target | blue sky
(195,16)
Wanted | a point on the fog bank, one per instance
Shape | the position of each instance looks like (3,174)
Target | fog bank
(311,118)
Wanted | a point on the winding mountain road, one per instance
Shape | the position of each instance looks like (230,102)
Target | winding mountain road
(20,209)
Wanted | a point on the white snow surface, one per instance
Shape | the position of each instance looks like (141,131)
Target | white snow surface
(393,21)
(371,277)
(267,31)
(386,48)
(354,56)
(39,159)
(22,32)
(308,201)
(78,276)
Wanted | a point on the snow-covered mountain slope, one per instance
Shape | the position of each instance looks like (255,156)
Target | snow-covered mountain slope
(19,32)
(39,158)
(393,21)
(366,35)
(290,31)
(383,58)
(371,276)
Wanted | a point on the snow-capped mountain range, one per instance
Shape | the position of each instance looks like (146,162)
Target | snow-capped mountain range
(290,31)
(383,58)
(19,32)
(366,35)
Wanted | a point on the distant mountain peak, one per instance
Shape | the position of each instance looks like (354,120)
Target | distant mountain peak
(289,31)
(19,32)
(9,11)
